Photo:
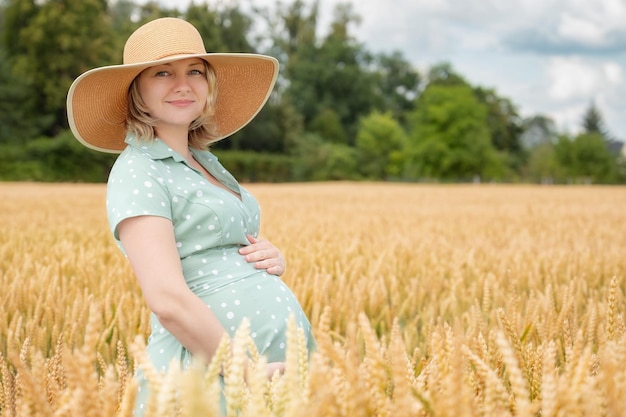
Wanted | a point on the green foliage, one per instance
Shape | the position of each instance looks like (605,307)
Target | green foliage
(326,73)
(593,123)
(505,124)
(398,85)
(223,30)
(543,166)
(19,119)
(379,143)
(249,166)
(52,43)
(338,112)
(586,159)
(328,125)
(443,74)
(450,137)
(318,160)
(61,158)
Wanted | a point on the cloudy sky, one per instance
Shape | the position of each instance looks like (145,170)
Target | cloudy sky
(551,57)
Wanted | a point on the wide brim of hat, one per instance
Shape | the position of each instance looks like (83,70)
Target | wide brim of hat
(97,100)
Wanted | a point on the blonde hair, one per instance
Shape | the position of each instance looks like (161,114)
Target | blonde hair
(202,131)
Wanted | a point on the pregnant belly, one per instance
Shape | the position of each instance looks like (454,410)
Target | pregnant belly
(266,302)
(233,289)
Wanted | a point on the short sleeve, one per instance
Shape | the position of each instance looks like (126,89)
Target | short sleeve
(135,189)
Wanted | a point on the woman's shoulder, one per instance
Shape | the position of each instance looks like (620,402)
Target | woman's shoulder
(134,159)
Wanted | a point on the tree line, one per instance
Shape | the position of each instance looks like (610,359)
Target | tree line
(338,112)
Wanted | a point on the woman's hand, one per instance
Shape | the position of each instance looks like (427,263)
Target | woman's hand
(264,255)
(274,367)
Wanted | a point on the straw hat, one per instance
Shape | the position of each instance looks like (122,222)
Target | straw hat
(97,100)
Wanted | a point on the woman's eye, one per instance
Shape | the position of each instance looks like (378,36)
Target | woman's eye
(196,72)
(162,74)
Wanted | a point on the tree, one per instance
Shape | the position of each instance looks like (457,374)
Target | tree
(398,85)
(320,74)
(318,160)
(586,158)
(450,136)
(327,125)
(379,142)
(19,118)
(223,29)
(52,42)
(505,125)
(593,123)
(543,165)
(443,74)
(538,130)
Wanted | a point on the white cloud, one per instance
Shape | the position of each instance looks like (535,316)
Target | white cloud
(581,30)
(613,73)
(571,78)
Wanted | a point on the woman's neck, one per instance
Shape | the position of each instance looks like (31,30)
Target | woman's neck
(177,139)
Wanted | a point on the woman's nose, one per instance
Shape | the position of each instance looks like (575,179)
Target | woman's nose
(182,84)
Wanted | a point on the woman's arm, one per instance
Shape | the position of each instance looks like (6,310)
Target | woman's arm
(150,245)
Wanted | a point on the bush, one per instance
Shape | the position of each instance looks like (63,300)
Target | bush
(250,166)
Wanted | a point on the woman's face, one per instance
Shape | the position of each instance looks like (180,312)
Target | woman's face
(175,93)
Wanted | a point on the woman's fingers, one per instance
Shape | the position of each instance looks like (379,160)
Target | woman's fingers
(264,255)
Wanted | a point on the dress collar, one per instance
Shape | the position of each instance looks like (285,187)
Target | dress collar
(157,149)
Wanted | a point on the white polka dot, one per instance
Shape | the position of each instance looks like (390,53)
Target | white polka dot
(237,302)
(282,346)
(223,304)
(199,193)
(147,184)
(230,315)
(278,299)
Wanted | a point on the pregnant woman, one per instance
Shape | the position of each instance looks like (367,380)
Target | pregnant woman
(189,230)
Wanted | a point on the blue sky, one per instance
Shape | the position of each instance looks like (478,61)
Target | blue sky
(551,57)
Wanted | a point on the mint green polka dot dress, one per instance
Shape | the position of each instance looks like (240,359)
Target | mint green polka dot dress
(210,225)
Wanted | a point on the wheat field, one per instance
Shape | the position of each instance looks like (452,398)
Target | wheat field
(426,300)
